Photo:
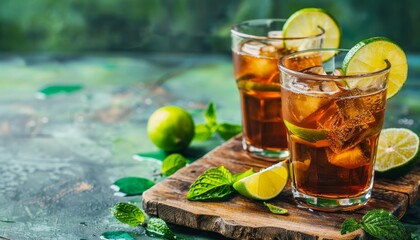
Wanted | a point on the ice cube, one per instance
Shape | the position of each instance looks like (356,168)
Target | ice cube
(375,103)
(302,106)
(350,159)
(329,87)
(347,136)
(347,122)
(279,44)
(256,48)
(318,70)
(252,47)
(353,109)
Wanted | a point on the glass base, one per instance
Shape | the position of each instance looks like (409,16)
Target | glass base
(268,155)
(331,204)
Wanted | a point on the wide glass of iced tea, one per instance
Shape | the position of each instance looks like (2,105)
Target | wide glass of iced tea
(333,123)
(257,46)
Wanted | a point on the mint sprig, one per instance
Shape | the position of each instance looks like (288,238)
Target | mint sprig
(204,131)
(379,223)
(215,184)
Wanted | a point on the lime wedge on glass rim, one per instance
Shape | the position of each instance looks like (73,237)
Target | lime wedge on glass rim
(370,55)
(306,22)
(397,151)
(265,184)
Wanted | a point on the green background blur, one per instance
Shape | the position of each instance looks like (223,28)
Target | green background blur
(187,26)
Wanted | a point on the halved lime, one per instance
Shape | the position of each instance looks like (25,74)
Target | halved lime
(370,55)
(265,184)
(397,151)
(306,22)
(307,134)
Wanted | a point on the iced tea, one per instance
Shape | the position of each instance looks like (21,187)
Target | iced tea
(333,125)
(257,47)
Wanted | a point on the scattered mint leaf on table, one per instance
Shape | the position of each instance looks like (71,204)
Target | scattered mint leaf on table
(131,186)
(276,209)
(57,89)
(173,163)
(116,235)
(158,155)
(156,227)
(378,223)
(349,225)
(228,130)
(128,213)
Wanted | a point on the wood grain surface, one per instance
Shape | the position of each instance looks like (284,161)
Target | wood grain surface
(242,218)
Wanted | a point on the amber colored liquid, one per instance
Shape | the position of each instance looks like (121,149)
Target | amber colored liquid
(259,88)
(341,164)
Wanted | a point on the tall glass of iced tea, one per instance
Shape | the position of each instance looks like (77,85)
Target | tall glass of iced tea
(333,123)
(257,46)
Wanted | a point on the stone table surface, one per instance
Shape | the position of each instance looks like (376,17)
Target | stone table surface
(61,152)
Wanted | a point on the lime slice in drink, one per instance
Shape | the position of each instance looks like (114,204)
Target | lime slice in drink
(265,184)
(306,22)
(310,135)
(370,55)
(397,151)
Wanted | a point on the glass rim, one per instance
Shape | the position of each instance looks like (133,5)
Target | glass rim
(313,76)
(235,31)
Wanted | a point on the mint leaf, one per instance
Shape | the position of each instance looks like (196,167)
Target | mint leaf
(131,186)
(202,132)
(275,209)
(215,183)
(158,155)
(57,89)
(173,163)
(210,116)
(117,235)
(383,225)
(349,225)
(128,213)
(228,130)
(156,227)
(241,175)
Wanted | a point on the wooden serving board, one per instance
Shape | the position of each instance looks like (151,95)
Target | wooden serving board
(242,218)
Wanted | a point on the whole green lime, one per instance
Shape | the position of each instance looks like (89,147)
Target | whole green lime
(171,128)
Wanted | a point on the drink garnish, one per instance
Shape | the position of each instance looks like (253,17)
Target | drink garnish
(306,22)
(214,184)
(370,55)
